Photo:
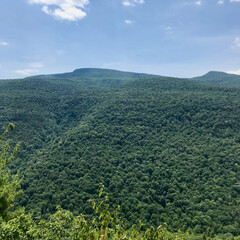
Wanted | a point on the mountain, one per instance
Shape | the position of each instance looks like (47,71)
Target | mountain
(166,149)
(96,73)
(220,78)
(94,77)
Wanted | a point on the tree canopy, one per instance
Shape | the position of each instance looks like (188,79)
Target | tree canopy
(9,184)
(166,149)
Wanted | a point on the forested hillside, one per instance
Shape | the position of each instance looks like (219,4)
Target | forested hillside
(96,73)
(166,149)
(220,78)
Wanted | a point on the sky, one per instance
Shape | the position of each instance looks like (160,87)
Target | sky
(180,38)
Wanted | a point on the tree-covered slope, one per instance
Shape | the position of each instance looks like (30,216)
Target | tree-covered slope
(42,108)
(166,149)
(99,73)
(220,78)
(96,77)
(104,222)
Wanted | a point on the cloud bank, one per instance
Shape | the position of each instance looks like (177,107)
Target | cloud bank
(71,10)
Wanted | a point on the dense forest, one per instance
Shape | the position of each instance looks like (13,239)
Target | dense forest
(104,223)
(220,78)
(167,150)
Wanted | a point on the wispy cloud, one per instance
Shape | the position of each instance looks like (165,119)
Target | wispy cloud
(235,1)
(234,72)
(132,3)
(198,3)
(33,68)
(126,3)
(3,43)
(168,28)
(71,10)
(129,22)
(139,1)
(192,3)
(236,42)
(26,72)
(220,2)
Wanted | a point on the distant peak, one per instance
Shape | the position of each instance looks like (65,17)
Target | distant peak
(216,72)
(88,69)
(220,78)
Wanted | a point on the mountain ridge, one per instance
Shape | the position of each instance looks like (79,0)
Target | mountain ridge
(222,79)
(96,73)
(219,78)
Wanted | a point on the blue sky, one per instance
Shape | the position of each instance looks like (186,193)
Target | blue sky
(181,38)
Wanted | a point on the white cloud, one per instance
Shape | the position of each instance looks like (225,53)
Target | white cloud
(220,2)
(26,72)
(236,42)
(129,22)
(3,43)
(234,72)
(32,69)
(71,10)
(138,1)
(198,3)
(126,3)
(168,28)
(234,0)
(132,3)
(192,2)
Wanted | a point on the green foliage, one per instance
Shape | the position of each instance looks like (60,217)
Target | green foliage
(63,225)
(8,185)
(166,149)
(104,223)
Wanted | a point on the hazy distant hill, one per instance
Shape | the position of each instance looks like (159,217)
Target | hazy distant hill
(101,77)
(97,73)
(166,149)
(94,77)
(220,78)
